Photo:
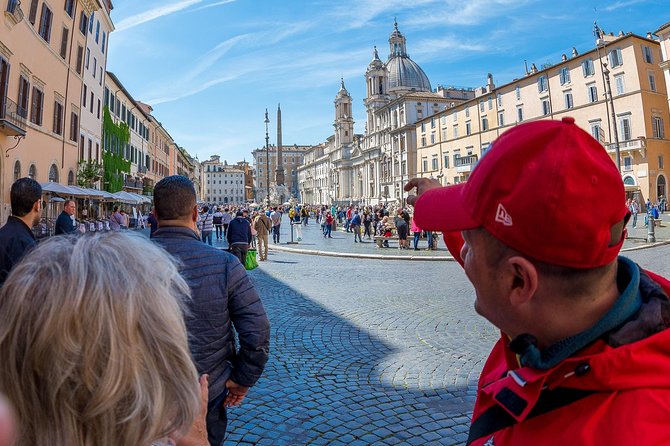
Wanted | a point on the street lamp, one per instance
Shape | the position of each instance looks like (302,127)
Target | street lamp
(267,158)
(600,42)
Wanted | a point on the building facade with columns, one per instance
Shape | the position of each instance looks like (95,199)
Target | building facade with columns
(451,142)
(40,90)
(372,168)
(292,158)
(222,184)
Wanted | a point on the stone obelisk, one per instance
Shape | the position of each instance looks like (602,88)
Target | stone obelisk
(279,172)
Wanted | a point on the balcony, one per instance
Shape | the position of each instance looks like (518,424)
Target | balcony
(632,145)
(11,122)
(133,183)
(465,163)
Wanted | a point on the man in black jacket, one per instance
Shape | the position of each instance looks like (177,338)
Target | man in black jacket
(16,236)
(65,222)
(239,236)
(223,301)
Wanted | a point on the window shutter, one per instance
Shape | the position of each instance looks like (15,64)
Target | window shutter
(32,16)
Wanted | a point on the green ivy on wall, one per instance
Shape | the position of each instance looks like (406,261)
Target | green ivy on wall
(115,138)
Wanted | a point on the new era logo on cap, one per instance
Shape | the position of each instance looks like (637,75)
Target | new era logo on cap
(502,216)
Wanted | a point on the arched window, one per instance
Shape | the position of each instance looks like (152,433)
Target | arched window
(70,178)
(32,172)
(17,170)
(629,181)
(53,173)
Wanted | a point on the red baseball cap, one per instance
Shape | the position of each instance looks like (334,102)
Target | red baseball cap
(546,189)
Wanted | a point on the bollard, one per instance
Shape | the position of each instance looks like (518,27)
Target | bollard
(651,236)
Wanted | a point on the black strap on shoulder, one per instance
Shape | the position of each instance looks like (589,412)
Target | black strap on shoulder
(496,418)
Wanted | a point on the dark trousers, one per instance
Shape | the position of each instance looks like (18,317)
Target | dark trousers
(217,420)
(219,231)
(239,250)
(225,229)
(275,233)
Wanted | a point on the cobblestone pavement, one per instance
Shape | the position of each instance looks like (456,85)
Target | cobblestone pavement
(368,352)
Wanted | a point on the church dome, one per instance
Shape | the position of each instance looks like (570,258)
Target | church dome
(404,73)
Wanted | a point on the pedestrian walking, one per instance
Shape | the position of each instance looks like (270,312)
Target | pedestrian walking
(275,216)
(217,219)
(634,210)
(328,228)
(583,339)
(224,303)
(16,236)
(225,221)
(239,236)
(206,225)
(356,226)
(263,224)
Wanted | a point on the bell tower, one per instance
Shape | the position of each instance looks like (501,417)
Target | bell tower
(344,122)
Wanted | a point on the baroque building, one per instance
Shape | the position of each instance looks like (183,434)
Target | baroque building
(222,184)
(615,91)
(372,168)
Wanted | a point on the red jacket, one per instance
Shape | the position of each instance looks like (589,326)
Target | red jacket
(630,404)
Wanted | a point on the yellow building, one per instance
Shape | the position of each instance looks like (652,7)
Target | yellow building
(452,141)
(41,66)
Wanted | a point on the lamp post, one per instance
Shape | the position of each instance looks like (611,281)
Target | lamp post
(267,159)
(600,42)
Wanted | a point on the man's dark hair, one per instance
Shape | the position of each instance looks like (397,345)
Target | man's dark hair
(24,193)
(174,198)
(116,208)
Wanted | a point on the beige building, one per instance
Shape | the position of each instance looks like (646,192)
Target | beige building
(94,68)
(292,157)
(222,184)
(663,34)
(41,67)
(124,108)
(452,141)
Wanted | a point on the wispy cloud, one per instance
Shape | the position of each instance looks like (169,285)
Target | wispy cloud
(457,12)
(153,14)
(212,5)
(214,55)
(428,48)
(622,4)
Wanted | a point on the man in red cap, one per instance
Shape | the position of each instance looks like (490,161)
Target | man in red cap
(584,356)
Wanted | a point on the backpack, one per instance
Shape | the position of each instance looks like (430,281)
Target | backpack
(218,220)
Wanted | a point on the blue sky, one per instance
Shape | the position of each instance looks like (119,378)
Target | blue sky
(210,68)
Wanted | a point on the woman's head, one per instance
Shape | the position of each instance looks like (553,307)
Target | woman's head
(94,345)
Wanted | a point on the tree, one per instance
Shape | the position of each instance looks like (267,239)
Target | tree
(88,173)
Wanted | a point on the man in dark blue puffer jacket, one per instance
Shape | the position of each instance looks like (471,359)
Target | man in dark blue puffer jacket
(223,296)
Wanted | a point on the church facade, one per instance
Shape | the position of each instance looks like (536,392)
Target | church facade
(372,168)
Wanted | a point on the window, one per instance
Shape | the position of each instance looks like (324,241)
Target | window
(63,42)
(58,118)
(81,147)
(97,32)
(481,105)
(542,84)
(432,138)
(95,66)
(546,107)
(657,127)
(80,58)
(564,75)
(499,99)
(24,97)
(435,163)
(624,127)
(660,161)
(652,82)
(32,15)
(88,57)
(597,131)
(91,102)
(485,123)
(102,47)
(567,97)
(587,67)
(647,54)
(11,6)
(84,96)
(467,112)
(98,112)
(90,23)
(446,161)
(501,119)
(627,163)
(45,23)
(69,7)
(17,170)
(36,107)
(456,131)
(424,163)
(490,103)
(468,128)
(519,113)
(32,172)
(423,141)
(615,58)
(53,173)
(83,22)
(592,91)
(70,178)
(432,126)
(517,91)
(74,126)
(619,82)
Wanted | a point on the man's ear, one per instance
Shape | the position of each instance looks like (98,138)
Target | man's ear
(194,213)
(37,206)
(524,280)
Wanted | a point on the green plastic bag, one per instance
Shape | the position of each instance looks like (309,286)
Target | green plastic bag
(250,262)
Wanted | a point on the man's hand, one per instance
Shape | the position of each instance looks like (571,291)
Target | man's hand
(197,435)
(236,393)
(422,185)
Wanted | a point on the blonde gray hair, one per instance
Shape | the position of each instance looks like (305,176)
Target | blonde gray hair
(93,343)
